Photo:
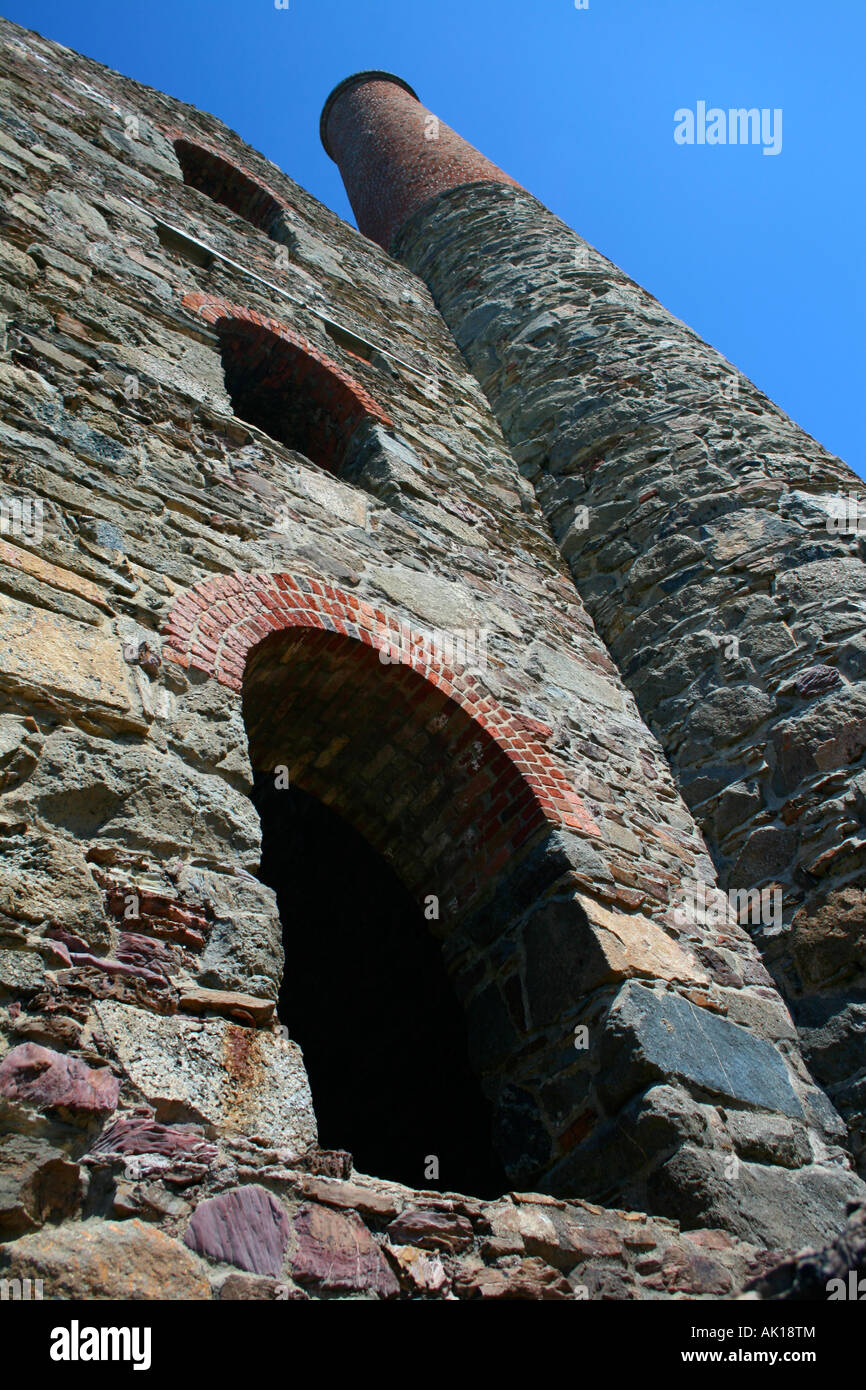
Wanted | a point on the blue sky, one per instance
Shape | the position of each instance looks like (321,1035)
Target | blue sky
(761,254)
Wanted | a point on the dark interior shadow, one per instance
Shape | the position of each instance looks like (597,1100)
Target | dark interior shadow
(366,995)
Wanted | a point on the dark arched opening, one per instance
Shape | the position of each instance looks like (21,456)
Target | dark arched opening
(402,814)
(226,184)
(366,994)
(285,392)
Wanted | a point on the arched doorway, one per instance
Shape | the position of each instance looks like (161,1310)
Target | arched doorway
(385,809)
(576,1014)
(467,809)
(366,994)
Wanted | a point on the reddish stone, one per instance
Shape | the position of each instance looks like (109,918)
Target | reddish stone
(431,1230)
(686,1272)
(246,1227)
(817,680)
(593,1242)
(136,1134)
(515,1279)
(710,1240)
(347,1195)
(336,1252)
(54,1081)
(117,967)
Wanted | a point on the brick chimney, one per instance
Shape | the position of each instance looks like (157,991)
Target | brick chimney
(393,154)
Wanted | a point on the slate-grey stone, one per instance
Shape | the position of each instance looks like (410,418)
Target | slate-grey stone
(154,490)
(711,566)
(519,1137)
(652,1035)
(759,1202)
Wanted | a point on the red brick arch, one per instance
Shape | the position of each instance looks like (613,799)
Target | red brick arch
(349,403)
(215,626)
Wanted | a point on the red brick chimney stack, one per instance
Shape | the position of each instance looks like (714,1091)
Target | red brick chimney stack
(393,154)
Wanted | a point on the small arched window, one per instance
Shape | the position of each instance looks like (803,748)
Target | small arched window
(225,183)
(287,388)
(283,390)
(286,393)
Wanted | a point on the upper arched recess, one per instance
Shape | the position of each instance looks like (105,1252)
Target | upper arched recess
(285,386)
(225,182)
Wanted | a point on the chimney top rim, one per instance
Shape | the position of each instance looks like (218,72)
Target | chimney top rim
(356,80)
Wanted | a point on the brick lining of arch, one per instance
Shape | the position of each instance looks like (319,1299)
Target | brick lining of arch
(511,790)
(300,366)
(237,189)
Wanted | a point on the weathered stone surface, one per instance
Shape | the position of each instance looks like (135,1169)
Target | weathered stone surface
(46,655)
(51,1030)
(828,939)
(348,1195)
(135,795)
(228,1002)
(763,1203)
(834,1031)
(768,1139)
(420,1271)
(581,1243)
(336,1253)
(557,1238)
(214,1072)
(176,1147)
(654,1036)
(18,558)
(106,1260)
(18,267)
(766,854)
(244,951)
(250,1288)
(38,1183)
(55,1082)
(22,973)
(430,1230)
(515,1278)
(821,737)
(526,1228)
(692,1272)
(147,1193)
(601,1283)
(570,954)
(20,743)
(44,878)
(815,1275)
(817,680)
(246,1227)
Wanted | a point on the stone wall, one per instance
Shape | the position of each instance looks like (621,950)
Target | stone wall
(196,586)
(190,1220)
